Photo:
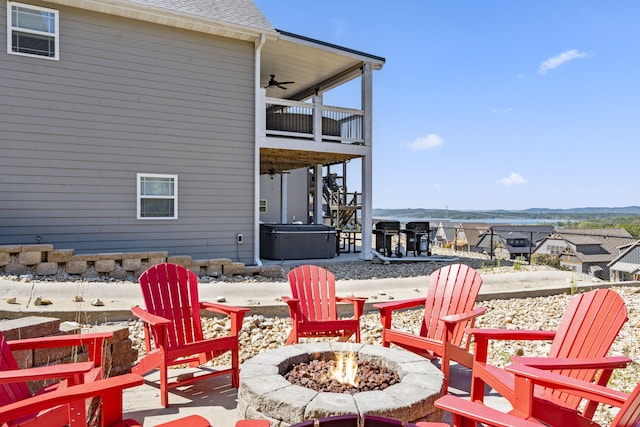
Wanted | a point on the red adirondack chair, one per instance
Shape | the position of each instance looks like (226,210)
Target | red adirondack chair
(313,306)
(448,310)
(586,331)
(173,328)
(13,381)
(467,413)
(108,390)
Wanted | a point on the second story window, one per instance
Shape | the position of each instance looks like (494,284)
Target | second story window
(157,196)
(32,31)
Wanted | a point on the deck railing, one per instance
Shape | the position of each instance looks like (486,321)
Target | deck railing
(314,121)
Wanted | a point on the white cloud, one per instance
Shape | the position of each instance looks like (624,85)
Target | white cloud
(513,179)
(340,27)
(426,142)
(556,61)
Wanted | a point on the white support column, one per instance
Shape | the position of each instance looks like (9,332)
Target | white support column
(260,129)
(317,117)
(284,200)
(367,163)
(317,197)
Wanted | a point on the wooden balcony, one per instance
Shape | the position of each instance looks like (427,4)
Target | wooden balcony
(314,121)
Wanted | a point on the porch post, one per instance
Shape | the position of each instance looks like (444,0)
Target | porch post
(317,117)
(317,196)
(284,202)
(367,163)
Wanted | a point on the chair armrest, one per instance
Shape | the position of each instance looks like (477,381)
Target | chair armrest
(149,318)
(510,334)
(236,314)
(358,304)
(481,336)
(93,341)
(398,305)
(109,389)
(463,317)
(570,385)
(223,308)
(478,412)
(352,299)
(291,302)
(61,371)
(548,363)
(59,341)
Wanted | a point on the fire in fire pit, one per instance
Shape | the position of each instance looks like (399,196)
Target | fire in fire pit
(344,374)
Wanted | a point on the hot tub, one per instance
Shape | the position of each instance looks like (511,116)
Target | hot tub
(297,241)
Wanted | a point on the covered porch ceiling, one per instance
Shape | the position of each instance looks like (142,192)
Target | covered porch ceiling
(310,64)
(273,160)
(313,66)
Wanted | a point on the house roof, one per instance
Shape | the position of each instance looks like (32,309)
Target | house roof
(629,260)
(610,232)
(604,243)
(240,19)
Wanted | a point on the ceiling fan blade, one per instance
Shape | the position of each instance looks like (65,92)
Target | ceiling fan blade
(281,87)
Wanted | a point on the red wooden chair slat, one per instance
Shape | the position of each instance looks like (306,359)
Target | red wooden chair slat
(448,310)
(173,327)
(587,330)
(313,306)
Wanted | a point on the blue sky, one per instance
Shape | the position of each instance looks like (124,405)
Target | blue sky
(492,104)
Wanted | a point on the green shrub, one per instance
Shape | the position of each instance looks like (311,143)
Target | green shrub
(546,259)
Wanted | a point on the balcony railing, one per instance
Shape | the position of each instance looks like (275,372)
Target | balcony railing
(314,121)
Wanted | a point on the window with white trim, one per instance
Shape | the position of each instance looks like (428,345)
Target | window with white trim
(32,31)
(157,196)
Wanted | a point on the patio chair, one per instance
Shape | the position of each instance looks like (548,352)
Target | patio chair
(313,306)
(589,326)
(173,328)
(448,310)
(467,413)
(108,390)
(14,382)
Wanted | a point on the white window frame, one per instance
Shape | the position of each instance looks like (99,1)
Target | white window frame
(140,196)
(11,28)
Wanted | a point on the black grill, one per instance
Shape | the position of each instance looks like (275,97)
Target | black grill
(384,231)
(416,232)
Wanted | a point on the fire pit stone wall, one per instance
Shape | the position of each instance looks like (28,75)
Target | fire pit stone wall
(265,393)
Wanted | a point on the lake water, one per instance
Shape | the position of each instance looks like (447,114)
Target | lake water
(514,221)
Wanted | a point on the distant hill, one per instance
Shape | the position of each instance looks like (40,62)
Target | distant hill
(532,213)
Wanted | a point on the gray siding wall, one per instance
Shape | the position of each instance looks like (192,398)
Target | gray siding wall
(127,97)
(297,197)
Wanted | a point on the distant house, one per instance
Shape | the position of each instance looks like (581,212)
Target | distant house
(513,241)
(444,234)
(180,126)
(626,266)
(468,236)
(586,250)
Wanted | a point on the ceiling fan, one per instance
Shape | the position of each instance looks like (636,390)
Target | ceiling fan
(273,82)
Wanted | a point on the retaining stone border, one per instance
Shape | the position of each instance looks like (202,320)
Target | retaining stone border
(264,392)
(44,260)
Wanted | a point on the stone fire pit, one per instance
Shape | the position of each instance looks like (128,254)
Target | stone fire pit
(265,393)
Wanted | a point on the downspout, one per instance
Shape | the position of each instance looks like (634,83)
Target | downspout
(258,135)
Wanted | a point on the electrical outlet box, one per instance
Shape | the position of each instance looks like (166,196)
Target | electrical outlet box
(239,238)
